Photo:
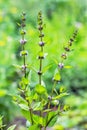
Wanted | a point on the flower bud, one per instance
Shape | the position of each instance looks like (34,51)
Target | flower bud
(64,55)
(39,73)
(23,24)
(67,49)
(40,28)
(23,41)
(24,67)
(24,53)
(41,43)
(23,32)
(61,65)
(41,35)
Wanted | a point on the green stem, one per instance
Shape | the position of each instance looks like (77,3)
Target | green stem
(30,110)
(49,103)
(24,62)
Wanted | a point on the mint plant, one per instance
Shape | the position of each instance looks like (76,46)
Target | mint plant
(37,105)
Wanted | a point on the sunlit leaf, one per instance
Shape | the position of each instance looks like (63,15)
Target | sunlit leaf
(66,107)
(11,127)
(23,106)
(58,127)
(40,89)
(3,92)
(60,96)
(67,67)
(57,77)
(62,89)
(46,68)
(17,66)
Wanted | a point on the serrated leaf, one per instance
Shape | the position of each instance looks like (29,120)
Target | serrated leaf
(11,127)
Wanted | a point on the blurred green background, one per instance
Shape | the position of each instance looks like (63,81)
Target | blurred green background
(60,20)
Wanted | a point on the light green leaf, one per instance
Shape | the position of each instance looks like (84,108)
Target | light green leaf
(19,24)
(58,127)
(17,66)
(60,96)
(57,77)
(66,107)
(46,68)
(68,67)
(11,127)
(37,106)
(40,89)
(3,92)
(34,127)
(1,121)
(24,107)
(62,89)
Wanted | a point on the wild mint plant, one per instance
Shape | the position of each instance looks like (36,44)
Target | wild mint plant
(37,105)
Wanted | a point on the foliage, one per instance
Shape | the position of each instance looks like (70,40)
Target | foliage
(36,103)
(61,17)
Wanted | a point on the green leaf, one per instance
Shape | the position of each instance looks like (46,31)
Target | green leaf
(46,68)
(22,103)
(11,127)
(19,24)
(55,102)
(32,68)
(26,114)
(37,106)
(62,89)
(66,107)
(24,107)
(52,118)
(38,120)
(17,66)
(34,127)
(68,67)
(42,54)
(1,121)
(40,89)
(23,53)
(24,82)
(56,61)
(57,77)
(58,127)
(3,92)
(60,96)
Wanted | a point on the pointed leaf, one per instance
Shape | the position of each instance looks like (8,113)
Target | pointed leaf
(11,127)
(60,96)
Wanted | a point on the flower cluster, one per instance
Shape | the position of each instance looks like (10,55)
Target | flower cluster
(41,55)
(67,49)
(23,41)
